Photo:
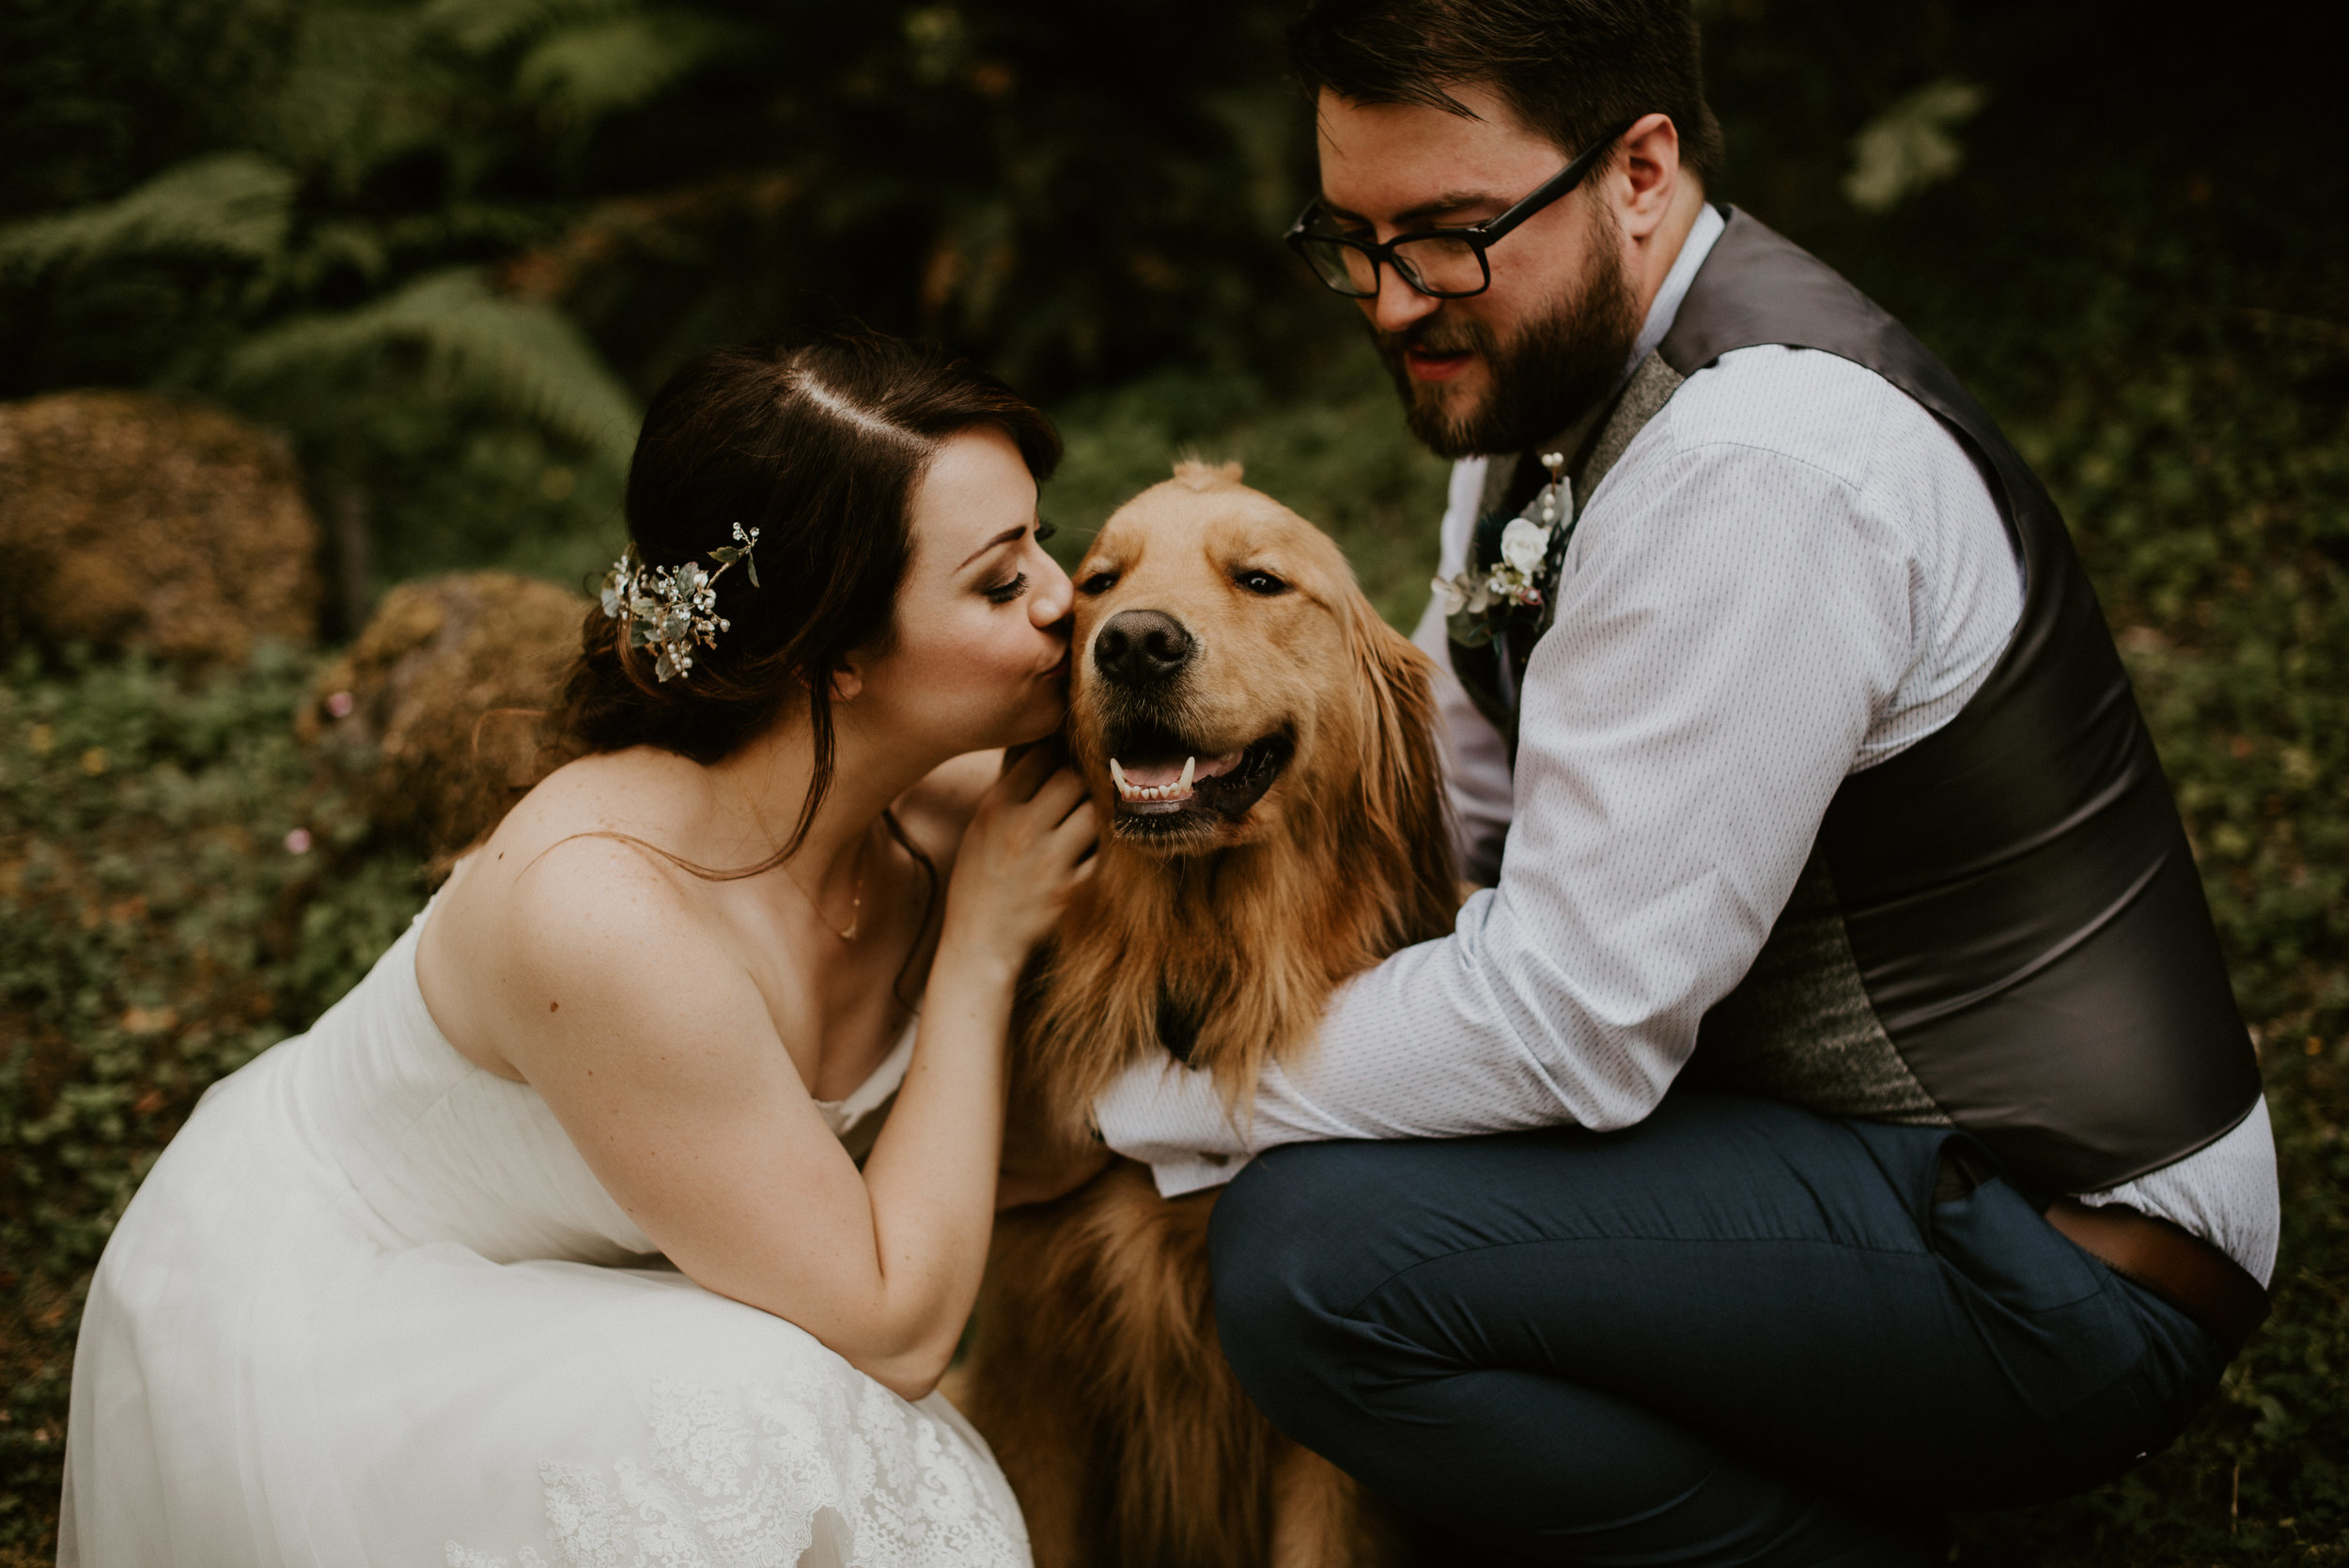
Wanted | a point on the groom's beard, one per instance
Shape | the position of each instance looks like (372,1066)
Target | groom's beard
(1539,382)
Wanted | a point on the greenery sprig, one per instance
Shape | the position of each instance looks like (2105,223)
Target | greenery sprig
(672,609)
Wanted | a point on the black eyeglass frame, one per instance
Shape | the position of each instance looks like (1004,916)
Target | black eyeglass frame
(1477,236)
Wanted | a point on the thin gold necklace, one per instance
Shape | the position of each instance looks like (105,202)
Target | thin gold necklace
(856,908)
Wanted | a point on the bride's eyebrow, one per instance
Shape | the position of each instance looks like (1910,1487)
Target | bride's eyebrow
(1007,537)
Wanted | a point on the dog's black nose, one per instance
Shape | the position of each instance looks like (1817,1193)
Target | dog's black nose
(1140,647)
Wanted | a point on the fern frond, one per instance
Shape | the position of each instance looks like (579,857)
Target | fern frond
(232,204)
(616,63)
(472,224)
(529,356)
(360,91)
(485,27)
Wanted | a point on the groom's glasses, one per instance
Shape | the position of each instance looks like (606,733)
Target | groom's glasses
(1442,263)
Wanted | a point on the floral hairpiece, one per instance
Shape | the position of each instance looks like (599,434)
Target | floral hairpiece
(669,609)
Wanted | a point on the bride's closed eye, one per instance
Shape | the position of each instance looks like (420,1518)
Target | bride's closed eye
(1016,584)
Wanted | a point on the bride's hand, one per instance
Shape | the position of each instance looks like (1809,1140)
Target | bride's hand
(1027,847)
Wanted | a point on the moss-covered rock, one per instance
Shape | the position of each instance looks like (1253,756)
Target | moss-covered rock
(129,519)
(436,712)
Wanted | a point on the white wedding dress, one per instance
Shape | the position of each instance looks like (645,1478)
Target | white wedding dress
(372,1308)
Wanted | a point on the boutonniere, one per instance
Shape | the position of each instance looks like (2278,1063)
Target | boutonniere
(1476,604)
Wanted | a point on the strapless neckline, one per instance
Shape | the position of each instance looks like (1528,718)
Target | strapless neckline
(880,1087)
(843,1115)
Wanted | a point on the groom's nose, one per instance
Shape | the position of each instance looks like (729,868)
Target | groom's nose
(1397,304)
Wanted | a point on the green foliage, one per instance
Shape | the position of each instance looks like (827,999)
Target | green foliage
(530,356)
(1337,453)
(2213,496)
(157,929)
(615,62)
(518,215)
(2210,494)
(231,205)
(323,273)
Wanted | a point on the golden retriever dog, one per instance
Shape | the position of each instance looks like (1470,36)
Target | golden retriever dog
(1260,745)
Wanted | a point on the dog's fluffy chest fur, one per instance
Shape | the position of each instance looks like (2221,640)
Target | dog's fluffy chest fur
(1199,958)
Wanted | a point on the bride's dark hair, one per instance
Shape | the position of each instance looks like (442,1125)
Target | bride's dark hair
(820,447)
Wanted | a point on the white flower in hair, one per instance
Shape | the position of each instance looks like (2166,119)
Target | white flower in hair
(672,609)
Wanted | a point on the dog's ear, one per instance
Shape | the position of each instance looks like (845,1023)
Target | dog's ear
(1407,814)
(1195,472)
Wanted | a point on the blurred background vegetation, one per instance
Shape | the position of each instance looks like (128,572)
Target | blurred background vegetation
(443,249)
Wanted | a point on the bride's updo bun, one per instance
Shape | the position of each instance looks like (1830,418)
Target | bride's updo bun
(820,448)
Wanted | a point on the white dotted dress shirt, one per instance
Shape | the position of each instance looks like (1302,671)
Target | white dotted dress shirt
(1793,573)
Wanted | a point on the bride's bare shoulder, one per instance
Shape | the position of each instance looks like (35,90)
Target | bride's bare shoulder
(640,793)
(643,783)
(594,832)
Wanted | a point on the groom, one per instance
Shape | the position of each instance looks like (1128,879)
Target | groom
(1876,1133)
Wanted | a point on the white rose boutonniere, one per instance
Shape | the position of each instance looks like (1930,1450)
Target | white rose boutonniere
(1470,599)
(1523,544)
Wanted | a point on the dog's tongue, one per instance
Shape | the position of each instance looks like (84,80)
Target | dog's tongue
(1150,775)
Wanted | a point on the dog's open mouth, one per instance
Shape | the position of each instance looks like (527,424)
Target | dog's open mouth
(1167,783)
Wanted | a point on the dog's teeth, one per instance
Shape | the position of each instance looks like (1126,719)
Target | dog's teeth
(1128,790)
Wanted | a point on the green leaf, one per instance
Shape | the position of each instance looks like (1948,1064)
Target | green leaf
(1912,145)
(524,353)
(616,63)
(483,26)
(233,204)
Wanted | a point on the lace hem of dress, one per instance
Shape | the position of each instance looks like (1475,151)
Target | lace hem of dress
(737,1482)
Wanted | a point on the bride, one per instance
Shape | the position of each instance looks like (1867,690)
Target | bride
(575,1234)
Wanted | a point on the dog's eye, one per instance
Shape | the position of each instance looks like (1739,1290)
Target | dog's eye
(1261,582)
(1099,582)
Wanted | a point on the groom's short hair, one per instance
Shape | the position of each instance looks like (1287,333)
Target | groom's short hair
(1569,69)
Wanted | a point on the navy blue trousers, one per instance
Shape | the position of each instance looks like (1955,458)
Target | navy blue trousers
(1735,1333)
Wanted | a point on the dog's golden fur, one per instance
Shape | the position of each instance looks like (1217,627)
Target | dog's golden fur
(1097,1374)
